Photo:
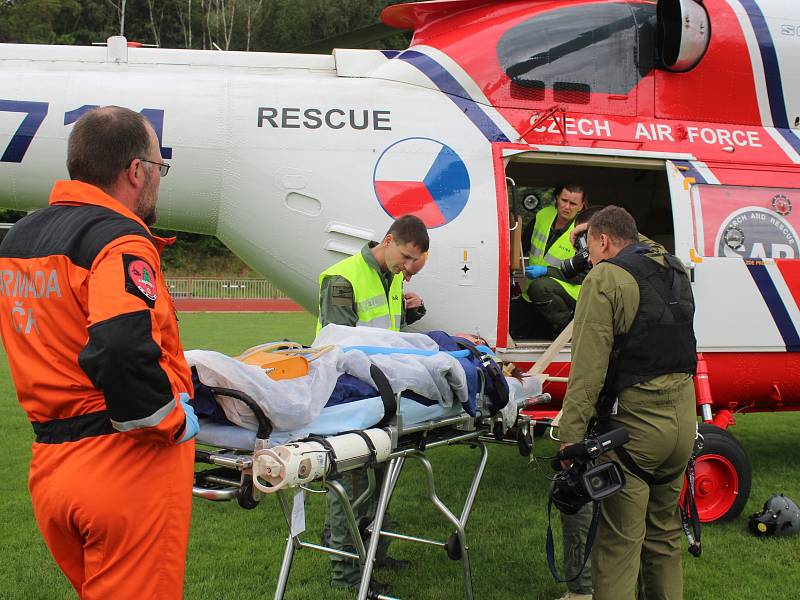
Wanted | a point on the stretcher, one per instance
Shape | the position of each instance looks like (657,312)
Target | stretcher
(388,429)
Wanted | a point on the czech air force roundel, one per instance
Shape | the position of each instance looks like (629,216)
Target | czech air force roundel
(422,177)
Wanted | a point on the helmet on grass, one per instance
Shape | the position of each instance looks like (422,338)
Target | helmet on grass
(780,516)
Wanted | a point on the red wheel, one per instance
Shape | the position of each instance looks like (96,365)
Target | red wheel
(722,476)
(716,486)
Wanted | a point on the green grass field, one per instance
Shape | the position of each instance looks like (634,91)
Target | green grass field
(236,554)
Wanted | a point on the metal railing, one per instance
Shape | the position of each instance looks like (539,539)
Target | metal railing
(189,287)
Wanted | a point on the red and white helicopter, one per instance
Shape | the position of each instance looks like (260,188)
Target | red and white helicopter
(686,113)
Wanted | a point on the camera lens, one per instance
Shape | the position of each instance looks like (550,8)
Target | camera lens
(598,483)
(575,264)
(603,480)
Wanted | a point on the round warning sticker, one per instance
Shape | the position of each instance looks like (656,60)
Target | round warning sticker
(781,204)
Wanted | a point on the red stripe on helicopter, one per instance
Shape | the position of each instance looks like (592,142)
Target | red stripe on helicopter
(790,270)
(783,314)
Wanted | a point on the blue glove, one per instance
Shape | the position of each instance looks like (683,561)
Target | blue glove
(192,424)
(535,271)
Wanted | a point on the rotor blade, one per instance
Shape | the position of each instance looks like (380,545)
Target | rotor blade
(351,39)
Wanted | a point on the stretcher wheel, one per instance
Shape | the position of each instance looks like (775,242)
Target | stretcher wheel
(245,497)
(540,429)
(453,547)
(363,524)
(524,441)
(722,476)
(498,432)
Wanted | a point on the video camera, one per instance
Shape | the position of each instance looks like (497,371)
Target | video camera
(578,263)
(584,481)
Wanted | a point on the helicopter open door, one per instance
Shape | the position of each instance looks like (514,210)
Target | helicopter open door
(653,189)
(740,243)
(682,217)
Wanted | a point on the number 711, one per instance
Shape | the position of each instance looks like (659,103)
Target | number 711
(37,111)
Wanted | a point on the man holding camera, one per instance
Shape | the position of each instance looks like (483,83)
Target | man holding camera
(633,356)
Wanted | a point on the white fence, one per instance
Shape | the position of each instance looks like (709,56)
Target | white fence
(189,287)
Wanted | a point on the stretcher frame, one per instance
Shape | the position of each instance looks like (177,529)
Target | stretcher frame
(408,442)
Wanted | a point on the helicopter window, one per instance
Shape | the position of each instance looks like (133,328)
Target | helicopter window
(528,90)
(606,48)
(574,93)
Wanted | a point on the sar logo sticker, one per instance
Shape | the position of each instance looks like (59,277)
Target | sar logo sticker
(140,279)
(755,232)
(733,237)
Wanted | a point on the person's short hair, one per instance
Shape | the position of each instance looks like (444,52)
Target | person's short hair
(586,214)
(103,143)
(617,223)
(410,229)
(575,188)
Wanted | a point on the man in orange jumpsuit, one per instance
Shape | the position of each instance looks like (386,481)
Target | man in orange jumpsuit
(92,342)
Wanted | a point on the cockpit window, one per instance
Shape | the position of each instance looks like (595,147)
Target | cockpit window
(578,50)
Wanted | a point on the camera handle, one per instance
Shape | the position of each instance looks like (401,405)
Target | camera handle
(587,549)
(592,447)
(690,520)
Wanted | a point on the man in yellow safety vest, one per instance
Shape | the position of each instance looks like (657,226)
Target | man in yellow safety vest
(549,301)
(366,289)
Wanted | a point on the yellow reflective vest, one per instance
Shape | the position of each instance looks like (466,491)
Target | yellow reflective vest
(372,306)
(559,251)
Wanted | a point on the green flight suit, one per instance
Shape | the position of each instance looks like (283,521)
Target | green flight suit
(639,526)
(337,305)
(575,529)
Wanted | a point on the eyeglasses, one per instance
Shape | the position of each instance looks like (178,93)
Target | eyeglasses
(163,168)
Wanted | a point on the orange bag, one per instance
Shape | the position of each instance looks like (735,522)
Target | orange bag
(276,365)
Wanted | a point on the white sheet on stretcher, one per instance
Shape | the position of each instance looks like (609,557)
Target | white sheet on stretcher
(360,414)
(293,403)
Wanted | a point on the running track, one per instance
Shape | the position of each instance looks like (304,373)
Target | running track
(228,305)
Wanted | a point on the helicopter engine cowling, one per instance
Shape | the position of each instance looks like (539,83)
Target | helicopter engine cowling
(684,31)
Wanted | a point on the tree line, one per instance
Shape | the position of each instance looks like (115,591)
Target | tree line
(260,25)
(255,25)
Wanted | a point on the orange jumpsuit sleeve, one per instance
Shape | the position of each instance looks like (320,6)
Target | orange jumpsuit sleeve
(123,355)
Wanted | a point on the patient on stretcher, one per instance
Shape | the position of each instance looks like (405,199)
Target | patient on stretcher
(438,375)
